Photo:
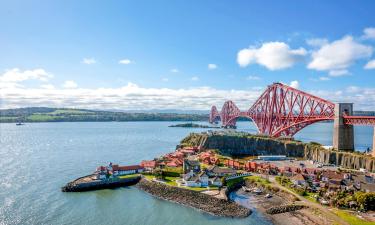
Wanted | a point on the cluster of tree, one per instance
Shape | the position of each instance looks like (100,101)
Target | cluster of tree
(40,114)
(359,200)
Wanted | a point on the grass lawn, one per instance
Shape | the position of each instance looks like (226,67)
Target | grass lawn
(310,196)
(171,180)
(148,176)
(128,176)
(350,218)
(201,188)
(259,180)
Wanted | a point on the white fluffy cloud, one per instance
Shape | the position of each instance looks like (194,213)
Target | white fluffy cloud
(337,56)
(294,84)
(174,70)
(272,55)
(369,33)
(88,61)
(125,61)
(129,97)
(195,78)
(212,66)
(370,65)
(17,75)
(14,77)
(69,84)
(132,96)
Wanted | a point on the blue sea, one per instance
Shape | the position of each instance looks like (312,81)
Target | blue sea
(37,159)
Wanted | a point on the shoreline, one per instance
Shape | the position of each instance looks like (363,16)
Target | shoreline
(193,199)
(285,204)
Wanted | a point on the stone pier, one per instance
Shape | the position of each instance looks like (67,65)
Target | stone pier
(343,135)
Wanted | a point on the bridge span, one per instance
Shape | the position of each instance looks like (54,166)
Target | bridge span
(283,111)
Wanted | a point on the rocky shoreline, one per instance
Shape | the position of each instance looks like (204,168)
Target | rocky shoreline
(197,200)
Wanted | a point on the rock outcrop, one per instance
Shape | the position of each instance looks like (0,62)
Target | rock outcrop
(284,209)
(206,203)
(242,144)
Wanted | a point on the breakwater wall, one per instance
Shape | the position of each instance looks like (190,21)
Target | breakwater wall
(242,144)
(78,186)
(197,200)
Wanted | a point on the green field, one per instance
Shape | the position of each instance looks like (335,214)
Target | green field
(350,218)
(43,114)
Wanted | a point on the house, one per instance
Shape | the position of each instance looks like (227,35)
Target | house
(192,179)
(124,170)
(215,170)
(209,158)
(191,165)
(298,179)
(232,164)
(174,163)
(329,174)
(101,173)
(148,165)
(216,181)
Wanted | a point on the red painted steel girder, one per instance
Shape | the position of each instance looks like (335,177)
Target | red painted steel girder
(359,120)
(283,111)
(214,115)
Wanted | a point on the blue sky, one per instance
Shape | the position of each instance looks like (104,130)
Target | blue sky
(183,54)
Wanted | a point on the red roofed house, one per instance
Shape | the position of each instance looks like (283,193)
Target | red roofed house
(298,180)
(124,170)
(209,158)
(148,165)
(232,164)
(174,163)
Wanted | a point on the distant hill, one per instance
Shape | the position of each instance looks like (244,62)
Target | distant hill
(45,114)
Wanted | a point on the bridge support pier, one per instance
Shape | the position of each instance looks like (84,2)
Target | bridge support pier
(343,135)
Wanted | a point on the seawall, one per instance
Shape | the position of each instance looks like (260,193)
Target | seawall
(197,200)
(77,186)
(242,144)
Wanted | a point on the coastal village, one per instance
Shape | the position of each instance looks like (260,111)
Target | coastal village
(206,171)
(281,183)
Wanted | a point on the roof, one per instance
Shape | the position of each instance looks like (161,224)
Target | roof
(191,178)
(132,167)
(203,174)
(215,179)
(148,163)
(192,162)
(101,168)
(217,170)
(332,175)
(298,177)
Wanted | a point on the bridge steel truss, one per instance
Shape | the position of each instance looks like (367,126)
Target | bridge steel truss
(283,111)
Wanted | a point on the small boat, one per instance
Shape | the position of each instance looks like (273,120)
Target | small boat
(19,124)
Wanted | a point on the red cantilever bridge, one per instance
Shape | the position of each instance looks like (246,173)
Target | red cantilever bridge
(283,111)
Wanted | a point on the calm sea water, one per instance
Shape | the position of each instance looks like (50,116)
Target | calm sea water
(37,159)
